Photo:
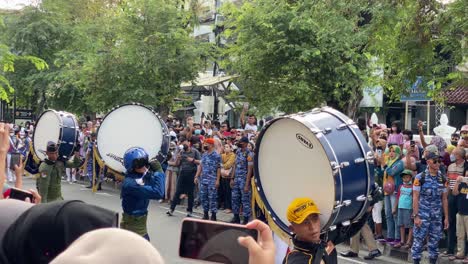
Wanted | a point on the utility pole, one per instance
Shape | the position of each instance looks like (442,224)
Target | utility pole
(217,31)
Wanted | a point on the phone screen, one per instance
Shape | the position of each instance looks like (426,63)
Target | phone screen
(15,160)
(213,241)
(19,194)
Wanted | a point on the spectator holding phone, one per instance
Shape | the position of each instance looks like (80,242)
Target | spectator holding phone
(4,147)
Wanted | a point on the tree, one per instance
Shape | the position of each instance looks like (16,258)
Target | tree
(419,38)
(296,55)
(7,64)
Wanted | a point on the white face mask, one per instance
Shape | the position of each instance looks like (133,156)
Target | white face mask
(453,158)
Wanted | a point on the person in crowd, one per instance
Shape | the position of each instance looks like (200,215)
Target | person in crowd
(441,145)
(139,186)
(251,146)
(395,136)
(429,204)
(460,190)
(361,122)
(93,168)
(240,182)
(455,170)
(463,142)
(228,159)
(379,148)
(369,239)
(187,160)
(207,128)
(409,153)
(41,232)
(404,207)
(303,216)
(172,171)
(393,165)
(454,138)
(51,171)
(251,126)
(208,177)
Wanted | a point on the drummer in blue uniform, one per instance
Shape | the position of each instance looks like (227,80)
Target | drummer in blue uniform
(240,181)
(139,186)
(91,163)
(209,173)
(429,199)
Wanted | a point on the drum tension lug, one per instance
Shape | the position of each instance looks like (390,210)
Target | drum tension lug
(359,160)
(346,223)
(361,198)
(342,127)
(344,164)
(332,228)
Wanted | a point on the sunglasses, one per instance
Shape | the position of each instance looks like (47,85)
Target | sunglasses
(435,161)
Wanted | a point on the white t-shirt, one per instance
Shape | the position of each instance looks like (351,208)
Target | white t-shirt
(250,127)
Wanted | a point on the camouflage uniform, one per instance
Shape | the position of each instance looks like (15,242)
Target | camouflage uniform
(430,189)
(243,160)
(210,163)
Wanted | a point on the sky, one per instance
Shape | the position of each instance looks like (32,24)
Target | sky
(16,4)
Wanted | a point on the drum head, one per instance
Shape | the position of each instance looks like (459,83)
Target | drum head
(291,163)
(125,127)
(47,129)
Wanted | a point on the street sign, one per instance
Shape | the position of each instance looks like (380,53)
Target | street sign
(24,114)
(417,92)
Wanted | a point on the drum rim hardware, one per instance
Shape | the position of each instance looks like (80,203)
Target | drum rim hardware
(164,132)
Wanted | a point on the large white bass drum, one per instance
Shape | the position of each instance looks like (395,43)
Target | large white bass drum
(131,125)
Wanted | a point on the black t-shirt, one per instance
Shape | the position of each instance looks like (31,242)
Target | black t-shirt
(463,198)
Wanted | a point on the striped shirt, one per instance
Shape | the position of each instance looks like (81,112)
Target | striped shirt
(453,172)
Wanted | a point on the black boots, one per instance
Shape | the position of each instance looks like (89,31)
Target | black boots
(235,219)
(213,217)
(205,215)
(433,261)
(416,261)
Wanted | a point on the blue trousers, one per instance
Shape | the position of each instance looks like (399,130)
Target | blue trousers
(238,196)
(432,227)
(209,197)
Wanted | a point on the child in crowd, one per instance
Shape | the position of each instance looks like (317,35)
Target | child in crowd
(404,205)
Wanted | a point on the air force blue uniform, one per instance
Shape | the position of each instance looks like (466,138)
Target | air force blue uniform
(431,190)
(210,164)
(243,160)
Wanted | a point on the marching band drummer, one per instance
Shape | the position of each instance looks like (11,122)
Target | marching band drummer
(303,216)
(139,186)
(51,171)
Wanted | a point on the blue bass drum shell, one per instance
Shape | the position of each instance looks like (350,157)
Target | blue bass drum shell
(319,154)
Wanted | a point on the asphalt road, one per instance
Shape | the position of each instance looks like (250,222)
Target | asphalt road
(163,230)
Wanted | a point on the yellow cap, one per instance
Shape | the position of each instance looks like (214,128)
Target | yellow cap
(300,209)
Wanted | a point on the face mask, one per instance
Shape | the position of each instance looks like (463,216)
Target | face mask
(206,148)
(185,147)
(394,129)
(452,158)
(197,131)
(405,152)
(12,134)
(454,142)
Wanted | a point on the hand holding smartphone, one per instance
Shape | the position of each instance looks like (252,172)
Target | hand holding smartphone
(15,160)
(214,241)
(21,195)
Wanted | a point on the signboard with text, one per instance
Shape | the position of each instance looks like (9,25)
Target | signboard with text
(417,92)
(24,114)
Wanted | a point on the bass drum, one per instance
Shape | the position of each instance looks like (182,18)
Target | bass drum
(58,127)
(131,125)
(321,155)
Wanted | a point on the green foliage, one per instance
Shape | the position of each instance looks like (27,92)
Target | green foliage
(296,55)
(419,38)
(103,53)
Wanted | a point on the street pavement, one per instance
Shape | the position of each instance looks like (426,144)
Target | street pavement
(164,231)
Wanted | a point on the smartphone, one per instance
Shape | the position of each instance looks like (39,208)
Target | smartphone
(465,180)
(412,143)
(15,160)
(213,241)
(19,194)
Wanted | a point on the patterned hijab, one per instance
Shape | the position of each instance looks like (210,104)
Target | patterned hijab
(440,143)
